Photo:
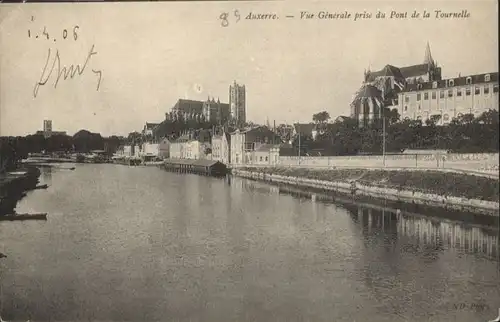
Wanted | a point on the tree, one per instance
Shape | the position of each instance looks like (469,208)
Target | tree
(304,142)
(134,138)
(321,117)
(392,116)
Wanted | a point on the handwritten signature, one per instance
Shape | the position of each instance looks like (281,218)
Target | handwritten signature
(65,72)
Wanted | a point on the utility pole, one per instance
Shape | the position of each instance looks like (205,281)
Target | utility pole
(383,139)
(298,126)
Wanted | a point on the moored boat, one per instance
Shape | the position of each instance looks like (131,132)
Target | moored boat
(18,217)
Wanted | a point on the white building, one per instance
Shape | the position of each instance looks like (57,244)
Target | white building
(128,150)
(164,149)
(449,98)
(188,147)
(221,145)
(244,142)
(265,154)
(148,151)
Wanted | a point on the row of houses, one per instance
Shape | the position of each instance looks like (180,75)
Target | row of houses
(251,145)
(145,151)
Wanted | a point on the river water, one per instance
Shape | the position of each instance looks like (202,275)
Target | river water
(141,244)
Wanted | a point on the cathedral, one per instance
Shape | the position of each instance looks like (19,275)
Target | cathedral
(380,88)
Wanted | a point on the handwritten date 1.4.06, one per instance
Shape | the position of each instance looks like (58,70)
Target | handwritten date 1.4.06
(65,72)
(64,34)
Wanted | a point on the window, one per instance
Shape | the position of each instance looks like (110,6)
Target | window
(450,93)
(433,95)
(419,107)
(467,91)
(486,89)
(260,159)
(487,78)
(434,84)
(441,94)
(419,96)
(495,88)
(451,82)
(406,108)
(426,96)
(459,92)
(407,99)
(477,91)
(267,159)
(468,81)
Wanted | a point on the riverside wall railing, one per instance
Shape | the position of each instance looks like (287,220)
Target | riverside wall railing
(480,163)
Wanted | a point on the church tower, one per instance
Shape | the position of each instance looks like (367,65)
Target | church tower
(428,56)
(433,70)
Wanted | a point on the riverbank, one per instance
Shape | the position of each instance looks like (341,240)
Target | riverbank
(14,185)
(431,188)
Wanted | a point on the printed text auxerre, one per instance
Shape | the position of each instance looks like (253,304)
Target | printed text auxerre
(261,16)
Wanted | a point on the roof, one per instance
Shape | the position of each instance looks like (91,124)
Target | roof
(195,162)
(368,90)
(225,134)
(415,70)
(402,72)
(458,81)
(248,129)
(387,71)
(189,106)
(266,147)
(183,138)
(187,101)
(150,126)
(341,118)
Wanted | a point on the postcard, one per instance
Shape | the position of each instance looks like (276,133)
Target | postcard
(249,161)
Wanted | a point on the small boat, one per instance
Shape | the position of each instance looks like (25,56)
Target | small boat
(18,217)
(43,186)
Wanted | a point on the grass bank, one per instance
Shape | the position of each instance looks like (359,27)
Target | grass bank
(428,182)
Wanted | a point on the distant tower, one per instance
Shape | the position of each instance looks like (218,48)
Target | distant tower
(47,128)
(237,102)
(47,125)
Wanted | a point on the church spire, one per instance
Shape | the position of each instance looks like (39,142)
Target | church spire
(428,57)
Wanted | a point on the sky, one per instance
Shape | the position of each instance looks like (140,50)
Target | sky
(151,54)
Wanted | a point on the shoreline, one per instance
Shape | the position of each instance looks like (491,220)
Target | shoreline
(348,185)
(14,185)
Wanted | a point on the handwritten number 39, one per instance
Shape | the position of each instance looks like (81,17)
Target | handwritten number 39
(223,17)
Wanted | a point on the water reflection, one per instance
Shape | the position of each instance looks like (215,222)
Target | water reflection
(141,244)
(428,232)
(46,175)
